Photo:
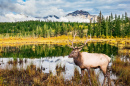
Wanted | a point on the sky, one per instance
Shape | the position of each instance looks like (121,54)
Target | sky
(41,8)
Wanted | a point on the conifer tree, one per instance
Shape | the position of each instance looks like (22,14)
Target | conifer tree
(99,23)
(106,24)
(90,31)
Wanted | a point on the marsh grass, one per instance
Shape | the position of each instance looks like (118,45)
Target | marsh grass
(14,62)
(20,61)
(60,69)
(122,70)
(15,77)
(85,81)
(33,76)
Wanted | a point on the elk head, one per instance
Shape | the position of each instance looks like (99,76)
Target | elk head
(74,53)
(76,50)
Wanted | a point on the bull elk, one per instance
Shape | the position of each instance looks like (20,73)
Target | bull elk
(87,60)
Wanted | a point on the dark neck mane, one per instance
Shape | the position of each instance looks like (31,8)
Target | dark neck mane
(78,60)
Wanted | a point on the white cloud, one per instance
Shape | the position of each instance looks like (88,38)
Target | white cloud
(74,19)
(5,19)
(15,17)
(50,11)
(41,8)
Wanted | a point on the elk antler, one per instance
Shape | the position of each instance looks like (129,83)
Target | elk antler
(72,46)
(72,41)
(85,41)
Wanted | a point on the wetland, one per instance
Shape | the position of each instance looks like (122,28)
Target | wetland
(48,64)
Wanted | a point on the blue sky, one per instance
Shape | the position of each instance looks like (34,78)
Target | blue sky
(24,0)
(42,8)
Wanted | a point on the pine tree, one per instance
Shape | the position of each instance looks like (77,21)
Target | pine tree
(103,28)
(111,16)
(44,30)
(94,28)
(90,31)
(106,24)
(122,26)
(99,23)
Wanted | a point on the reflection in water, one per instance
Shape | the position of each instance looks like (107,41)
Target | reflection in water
(43,50)
(34,51)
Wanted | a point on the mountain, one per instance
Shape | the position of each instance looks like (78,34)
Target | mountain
(78,12)
(80,16)
(51,16)
(76,16)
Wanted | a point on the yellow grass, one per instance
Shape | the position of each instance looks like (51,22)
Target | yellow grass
(64,40)
(61,40)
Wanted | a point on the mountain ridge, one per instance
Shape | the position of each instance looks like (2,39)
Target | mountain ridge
(78,12)
(51,16)
(76,16)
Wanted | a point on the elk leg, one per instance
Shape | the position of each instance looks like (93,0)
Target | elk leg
(89,77)
(104,80)
(109,81)
(82,74)
(104,69)
(108,76)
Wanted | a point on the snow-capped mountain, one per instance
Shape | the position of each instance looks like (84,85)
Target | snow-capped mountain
(78,12)
(76,16)
(51,16)
(79,16)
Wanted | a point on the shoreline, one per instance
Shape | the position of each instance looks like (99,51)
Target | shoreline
(61,40)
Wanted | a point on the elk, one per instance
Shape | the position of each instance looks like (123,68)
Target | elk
(87,60)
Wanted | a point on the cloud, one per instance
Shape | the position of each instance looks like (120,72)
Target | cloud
(5,19)
(15,17)
(74,19)
(41,8)
(20,7)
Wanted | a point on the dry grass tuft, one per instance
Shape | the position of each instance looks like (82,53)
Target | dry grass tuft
(60,69)
(33,77)
(121,69)
(85,80)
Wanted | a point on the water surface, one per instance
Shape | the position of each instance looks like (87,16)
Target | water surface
(46,57)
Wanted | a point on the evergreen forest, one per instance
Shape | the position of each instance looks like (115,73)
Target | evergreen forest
(109,27)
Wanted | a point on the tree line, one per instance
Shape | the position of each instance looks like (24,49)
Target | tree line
(111,26)
(39,28)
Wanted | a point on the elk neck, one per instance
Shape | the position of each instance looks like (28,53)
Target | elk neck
(78,60)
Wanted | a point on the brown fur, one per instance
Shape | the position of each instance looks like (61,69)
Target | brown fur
(78,60)
(89,60)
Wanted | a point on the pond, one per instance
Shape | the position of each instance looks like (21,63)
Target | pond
(47,57)
(44,50)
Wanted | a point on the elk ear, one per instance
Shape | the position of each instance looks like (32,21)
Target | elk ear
(79,49)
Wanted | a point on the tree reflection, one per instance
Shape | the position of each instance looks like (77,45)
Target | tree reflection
(45,50)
